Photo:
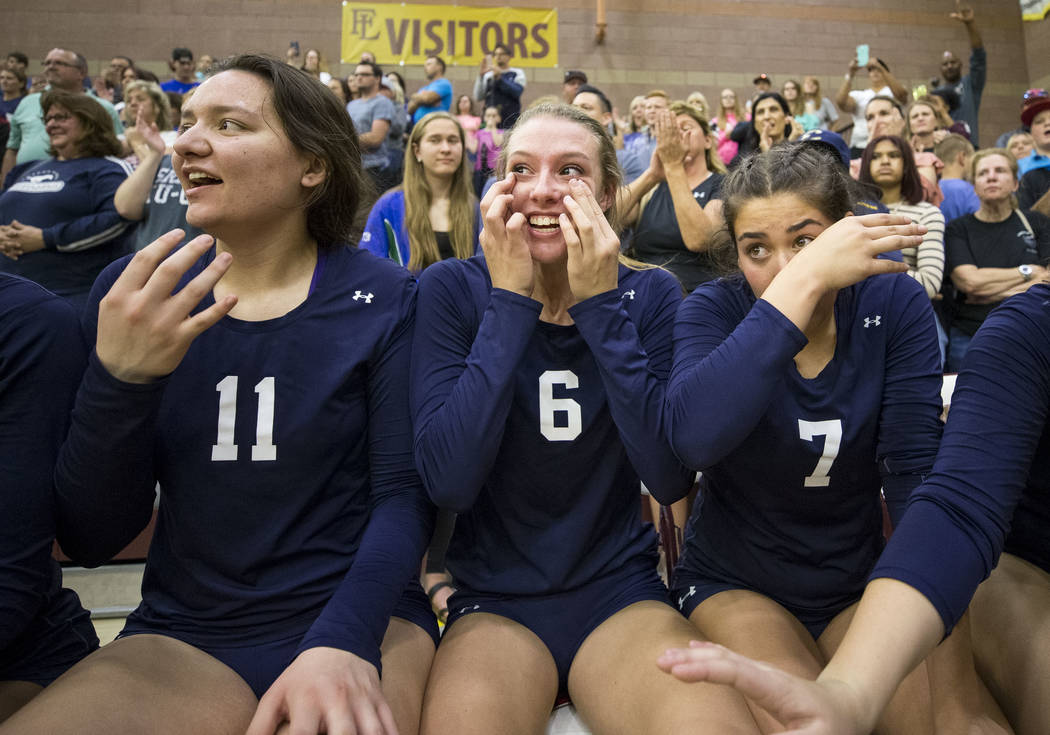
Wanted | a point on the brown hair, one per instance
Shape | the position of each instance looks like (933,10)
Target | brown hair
(714,161)
(911,182)
(98,139)
(316,123)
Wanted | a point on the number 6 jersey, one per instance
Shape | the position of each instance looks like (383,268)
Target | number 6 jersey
(792,467)
(537,433)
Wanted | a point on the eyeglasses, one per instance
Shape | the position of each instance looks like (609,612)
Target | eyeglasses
(58,62)
(363,74)
(57,117)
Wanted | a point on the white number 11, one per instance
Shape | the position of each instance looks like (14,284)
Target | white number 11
(224,450)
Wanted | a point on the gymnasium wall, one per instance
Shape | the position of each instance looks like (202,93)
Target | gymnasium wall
(678,45)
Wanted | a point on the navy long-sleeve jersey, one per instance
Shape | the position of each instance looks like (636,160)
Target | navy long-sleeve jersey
(792,467)
(41,361)
(283,452)
(537,433)
(992,464)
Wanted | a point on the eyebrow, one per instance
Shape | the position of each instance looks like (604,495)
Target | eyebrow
(804,223)
(219,110)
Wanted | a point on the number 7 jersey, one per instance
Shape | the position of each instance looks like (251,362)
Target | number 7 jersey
(792,467)
(537,433)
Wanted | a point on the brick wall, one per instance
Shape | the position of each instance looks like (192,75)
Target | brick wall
(679,45)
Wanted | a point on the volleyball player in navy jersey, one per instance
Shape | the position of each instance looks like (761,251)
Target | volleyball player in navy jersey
(992,460)
(800,388)
(43,628)
(262,381)
(538,384)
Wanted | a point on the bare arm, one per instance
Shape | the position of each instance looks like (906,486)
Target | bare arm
(423,98)
(966,17)
(10,157)
(992,283)
(130,199)
(846,103)
(375,137)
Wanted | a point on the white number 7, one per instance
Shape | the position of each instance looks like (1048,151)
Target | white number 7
(832,432)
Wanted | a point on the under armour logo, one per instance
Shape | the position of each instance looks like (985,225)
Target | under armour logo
(873,322)
(468,608)
(628,295)
(367,297)
(686,596)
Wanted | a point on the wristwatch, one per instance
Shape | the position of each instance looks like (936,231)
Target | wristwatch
(1025,271)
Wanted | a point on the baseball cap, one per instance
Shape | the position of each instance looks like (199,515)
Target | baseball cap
(828,138)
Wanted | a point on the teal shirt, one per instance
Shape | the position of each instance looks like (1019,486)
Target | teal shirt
(28,136)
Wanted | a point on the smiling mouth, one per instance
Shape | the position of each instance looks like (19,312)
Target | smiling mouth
(543,223)
(199,179)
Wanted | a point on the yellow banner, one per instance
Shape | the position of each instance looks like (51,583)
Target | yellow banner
(399,33)
(1034,9)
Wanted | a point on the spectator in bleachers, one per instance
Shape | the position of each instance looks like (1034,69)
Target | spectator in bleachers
(1020,145)
(675,205)
(12,90)
(488,142)
(340,89)
(43,628)
(699,101)
(791,91)
(114,76)
(970,86)
(770,123)
(571,83)
(500,85)
(315,66)
(204,63)
(635,156)
(64,70)
(373,115)
(595,104)
(467,120)
(435,95)
(994,253)
(884,116)
(184,70)
(729,114)
(1035,168)
(58,225)
(855,102)
(956,152)
(146,102)
(817,104)
(924,127)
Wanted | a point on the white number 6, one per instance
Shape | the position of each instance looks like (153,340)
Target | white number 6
(549,406)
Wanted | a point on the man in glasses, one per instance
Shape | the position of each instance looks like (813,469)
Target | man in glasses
(970,86)
(185,72)
(28,141)
(373,114)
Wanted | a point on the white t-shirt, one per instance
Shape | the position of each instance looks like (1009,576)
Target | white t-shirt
(860,126)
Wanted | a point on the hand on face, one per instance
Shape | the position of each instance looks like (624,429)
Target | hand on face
(502,238)
(593,248)
(668,139)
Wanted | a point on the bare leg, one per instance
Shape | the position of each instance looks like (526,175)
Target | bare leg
(758,627)
(407,654)
(909,712)
(490,675)
(143,683)
(961,701)
(617,688)
(1010,620)
(14,695)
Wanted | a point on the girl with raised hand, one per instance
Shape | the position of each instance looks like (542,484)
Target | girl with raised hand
(988,488)
(261,380)
(538,382)
(800,388)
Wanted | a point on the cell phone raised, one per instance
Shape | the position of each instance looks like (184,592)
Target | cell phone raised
(863,54)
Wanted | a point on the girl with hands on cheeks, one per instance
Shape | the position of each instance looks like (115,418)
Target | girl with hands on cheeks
(291,520)
(801,387)
(537,389)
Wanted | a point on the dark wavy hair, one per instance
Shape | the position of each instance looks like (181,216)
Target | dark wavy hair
(317,124)
(99,138)
(813,173)
(911,184)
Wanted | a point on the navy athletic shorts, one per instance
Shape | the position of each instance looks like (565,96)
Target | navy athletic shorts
(58,637)
(259,664)
(563,620)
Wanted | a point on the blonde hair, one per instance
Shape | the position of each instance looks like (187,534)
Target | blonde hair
(711,157)
(157,96)
(697,100)
(738,110)
(462,207)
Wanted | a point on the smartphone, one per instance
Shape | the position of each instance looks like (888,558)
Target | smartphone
(295,45)
(863,54)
